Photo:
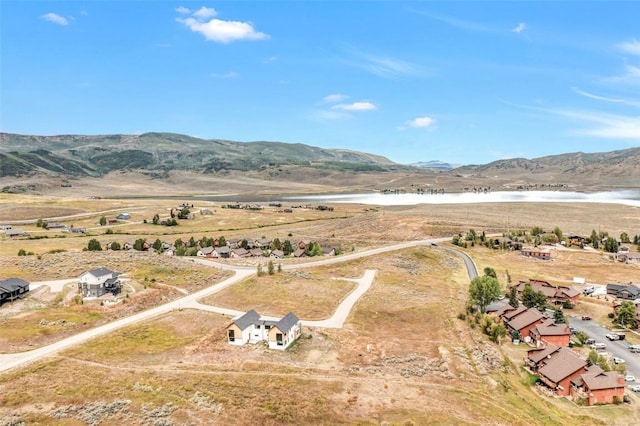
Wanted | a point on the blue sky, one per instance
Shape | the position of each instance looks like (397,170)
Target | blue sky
(466,82)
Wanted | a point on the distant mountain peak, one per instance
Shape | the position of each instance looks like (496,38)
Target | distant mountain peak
(436,165)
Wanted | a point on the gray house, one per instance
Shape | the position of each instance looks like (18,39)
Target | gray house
(97,282)
(12,289)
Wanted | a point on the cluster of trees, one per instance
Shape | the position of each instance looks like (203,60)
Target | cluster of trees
(625,315)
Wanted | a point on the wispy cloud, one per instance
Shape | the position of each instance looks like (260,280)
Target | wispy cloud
(356,106)
(519,28)
(55,18)
(606,99)
(335,97)
(230,74)
(631,76)
(384,66)
(609,126)
(455,22)
(632,47)
(218,30)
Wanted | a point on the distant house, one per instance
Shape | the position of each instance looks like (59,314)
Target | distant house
(543,254)
(223,252)
(262,243)
(277,254)
(299,253)
(239,252)
(598,387)
(549,333)
(624,292)
(256,252)
(123,216)
(98,282)
(13,233)
(251,328)
(12,289)
(632,257)
(205,252)
(556,295)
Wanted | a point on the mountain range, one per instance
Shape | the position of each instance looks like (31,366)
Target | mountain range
(161,153)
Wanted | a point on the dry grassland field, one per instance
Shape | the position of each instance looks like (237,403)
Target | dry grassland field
(403,356)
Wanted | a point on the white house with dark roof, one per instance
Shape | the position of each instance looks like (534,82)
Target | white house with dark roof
(97,282)
(250,327)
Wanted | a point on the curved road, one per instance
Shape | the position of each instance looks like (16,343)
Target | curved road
(11,361)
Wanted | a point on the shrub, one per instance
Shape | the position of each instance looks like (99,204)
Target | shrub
(462,316)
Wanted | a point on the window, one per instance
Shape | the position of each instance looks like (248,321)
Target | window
(232,335)
(279,339)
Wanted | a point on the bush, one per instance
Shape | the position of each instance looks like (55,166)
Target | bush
(22,252)
(462,316)
(611,315)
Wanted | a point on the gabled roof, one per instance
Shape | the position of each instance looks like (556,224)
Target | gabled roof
(562,364)
(550,328)
(537,355)
(223,249)
(602,380)
(507,315)
(207,250)
(13,284)
(101,272)
(240,251)
(277,253)
(248,318)
(528,317)
(287,322)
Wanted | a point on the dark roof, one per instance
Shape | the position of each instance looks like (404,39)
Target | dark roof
(223,250)
(528,317)
(101,272)
(537,355)
(245,320)
(287,322)
(602,380)
(13,284)
(510,313)
(562,364)
(550,328)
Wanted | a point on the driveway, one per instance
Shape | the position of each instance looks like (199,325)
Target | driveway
(10,361)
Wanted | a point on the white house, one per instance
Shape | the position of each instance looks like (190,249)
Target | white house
(97,282)
(251,328)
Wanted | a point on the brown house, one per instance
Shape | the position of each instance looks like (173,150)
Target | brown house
(524,322)
(556,295)
(598,387)
(559,368)
(548,332)
(543,254)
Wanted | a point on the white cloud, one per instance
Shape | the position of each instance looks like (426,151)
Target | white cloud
(230,74)
(218,30)
(631,77)
(205,13)
(631,47)
(421,122)
(520,28)
(387,67)
(183,10)
(333,98)
(356,106)
(610,126)
(606,99)
(55,18)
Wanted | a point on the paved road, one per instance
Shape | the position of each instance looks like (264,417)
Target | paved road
(10,361)
(617,348)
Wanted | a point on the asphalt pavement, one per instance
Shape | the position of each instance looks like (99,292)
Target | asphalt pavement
(616,348)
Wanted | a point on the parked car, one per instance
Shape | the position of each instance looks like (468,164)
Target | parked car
(588,290)
(586,318)
(629,378)
(590,341)
(573,330)
(612,336)
(617,360)
(598,346)
(635,388)
(634,348)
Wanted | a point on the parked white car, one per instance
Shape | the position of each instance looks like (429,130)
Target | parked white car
(629,378)
(617,360)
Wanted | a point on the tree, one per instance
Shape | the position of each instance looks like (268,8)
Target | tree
(270,268)
(139,244)
(22,252)
(611,245)
(558,317)
(40,223)
(94,245)
(178,243)
(192,242)
(513,298)
(626,315)
(536,231)
(558,233)
(244,244)
(115,246)
(276,244)
(624,237)
(157,244)
(533,299)
(103,220)
(582,337)
(490,272)
(287,248)
(260,271)
(484,290)
(594,239)
(156,219)
(222,241)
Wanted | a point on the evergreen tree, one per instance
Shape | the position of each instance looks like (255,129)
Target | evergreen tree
(103,220)
(513,298)
(94,245)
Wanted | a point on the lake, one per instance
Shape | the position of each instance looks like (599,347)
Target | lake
(626,197)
